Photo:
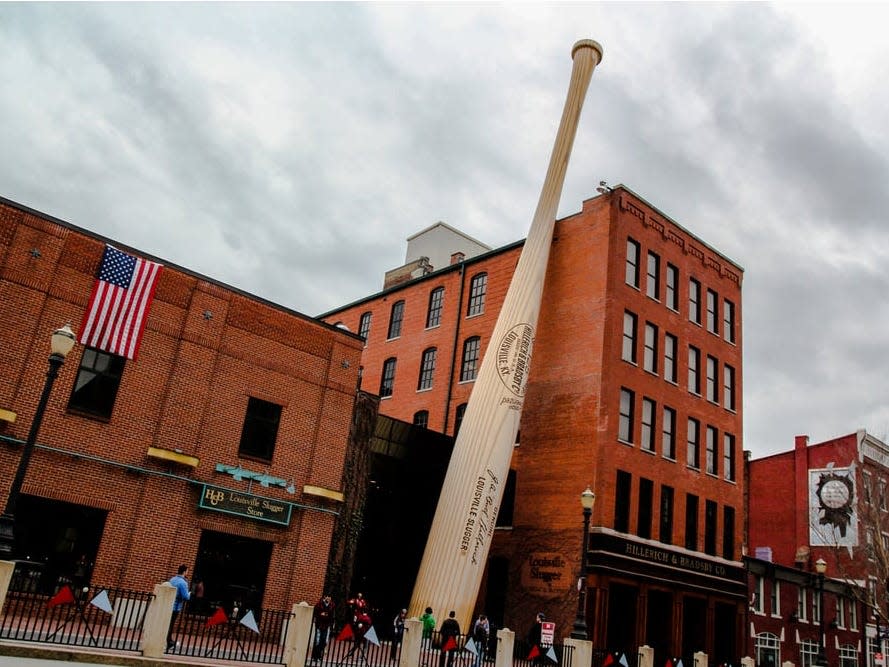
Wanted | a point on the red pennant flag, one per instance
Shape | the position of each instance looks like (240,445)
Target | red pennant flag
(449,645)
(64,596)
(609,660)
(535,652)
(217,618)
(345,633)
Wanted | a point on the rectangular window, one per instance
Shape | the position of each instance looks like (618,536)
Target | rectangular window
(816,608)
(653,276)
(469,364)
(643,512)
(728,456)
(694,363)
(628,352)
(260,429)
(666,520)
(622,502)
(841,612)
(710,528)
(649,358)
(672,287)
(728,321)
(728,387)
(802,604)
(395,319)
(712,380)
(775,598)
(712,315)
(427,369)
(691,522)
(758,591)
(625,422)
(670,347)
(728,533)
(387,379)
(694,301)
(98,379)
(436,302)
(853,615)
(632,270)
(693,450)
(668,431)
(712,453)
(478,288)
(649,407)
(364,325)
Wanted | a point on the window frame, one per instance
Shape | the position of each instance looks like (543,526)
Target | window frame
(693,444)
(650,351)
(259,432)
(668,436)
(626,416)
(396,320)
(478,290)
(671,346)
(712,311)
(470,359)
(630,337)
(728,321)
(653,276)
(712,379)
(694,370)
(711,444)
(648,425)
(672,287)
(427,369)
(631,269)
(364,324)
(95,396)
(435,307)
(387,377)
(694,301)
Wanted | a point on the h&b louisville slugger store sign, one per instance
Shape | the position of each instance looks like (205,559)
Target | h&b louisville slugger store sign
(245,504)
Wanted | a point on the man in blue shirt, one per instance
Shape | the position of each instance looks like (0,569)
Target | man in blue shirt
(180,583)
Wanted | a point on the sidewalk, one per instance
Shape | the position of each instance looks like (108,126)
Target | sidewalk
(70,655)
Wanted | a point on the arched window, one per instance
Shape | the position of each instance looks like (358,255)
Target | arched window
(364,324)
(421,418)
(387,379)
(436,301)
(471,353)
(395,319)
(478,288)
(768,650)
(427,369)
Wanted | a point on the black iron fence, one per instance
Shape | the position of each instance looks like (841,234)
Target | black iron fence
(525,654)
(616,658)
(246,635)
(93,616)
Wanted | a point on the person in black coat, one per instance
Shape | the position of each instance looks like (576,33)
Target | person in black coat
(450,629)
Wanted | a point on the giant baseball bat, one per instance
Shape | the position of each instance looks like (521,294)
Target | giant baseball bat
(454,560)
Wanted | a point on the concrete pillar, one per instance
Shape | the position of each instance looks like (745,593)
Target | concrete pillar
(157,621)
(411,643)
(7,567)
(582,651)
(646,656)
(748,662)
(505,647)
(299,635)
(700,659)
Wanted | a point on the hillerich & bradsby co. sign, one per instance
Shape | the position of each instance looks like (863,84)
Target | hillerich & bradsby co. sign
(245,504)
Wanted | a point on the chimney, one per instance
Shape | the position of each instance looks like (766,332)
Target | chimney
(801,441)
(457,257)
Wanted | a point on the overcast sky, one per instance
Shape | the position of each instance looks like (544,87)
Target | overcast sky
(290,149)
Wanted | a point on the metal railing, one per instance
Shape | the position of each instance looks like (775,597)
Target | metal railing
(244,635)
(93,616)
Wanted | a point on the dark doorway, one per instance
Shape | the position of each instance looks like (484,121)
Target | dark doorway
(659,625)
(622,618)
(694,625)
(60,542)
(233,570)
(495,590)
(725,647)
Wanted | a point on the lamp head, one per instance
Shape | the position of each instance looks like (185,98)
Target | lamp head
(587,498)
(62,341)
(820,566)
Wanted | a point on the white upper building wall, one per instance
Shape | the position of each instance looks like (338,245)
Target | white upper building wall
(439,242)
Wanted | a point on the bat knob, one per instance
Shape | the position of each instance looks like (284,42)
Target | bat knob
(588,44)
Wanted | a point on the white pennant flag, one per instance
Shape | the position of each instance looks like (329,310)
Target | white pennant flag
(102,602)
(623,660)
(470,646)
(551,654)
(250,621)
(371,636)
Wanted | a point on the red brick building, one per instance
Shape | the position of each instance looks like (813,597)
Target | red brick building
(221,446)
(827,502)
(635,390)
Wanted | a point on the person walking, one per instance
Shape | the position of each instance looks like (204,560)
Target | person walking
(323,618)
(449,631)
(428,620)
(535,637)
(180,583)
(397,634)
(481,633)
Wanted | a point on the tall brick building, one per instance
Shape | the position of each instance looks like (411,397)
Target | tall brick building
(221,446)
(635,390)
(822,501)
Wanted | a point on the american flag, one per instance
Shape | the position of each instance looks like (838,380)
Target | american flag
(119,304)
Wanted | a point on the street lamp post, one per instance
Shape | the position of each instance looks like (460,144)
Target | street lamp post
(61,343)
(587,499)
(821,568)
